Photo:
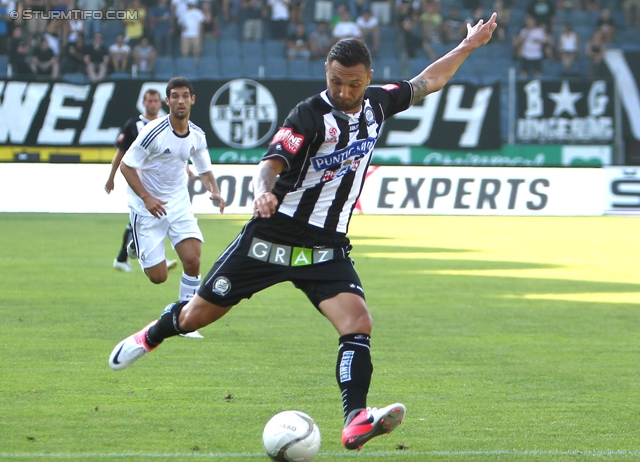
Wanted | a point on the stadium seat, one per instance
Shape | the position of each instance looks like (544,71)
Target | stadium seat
(185,67)
(230,31)
(209,68)
(230,67)
(76,78)
(299,69)
(4,61)
(251,49)
(275,67)
(163,68)
(274,48)
(317,69)
(229,47)
(253,67)
(210,48)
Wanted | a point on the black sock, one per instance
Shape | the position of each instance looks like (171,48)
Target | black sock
(167,325)
(353,371)
(126,237)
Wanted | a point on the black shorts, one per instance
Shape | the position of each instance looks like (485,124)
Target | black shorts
(278,249)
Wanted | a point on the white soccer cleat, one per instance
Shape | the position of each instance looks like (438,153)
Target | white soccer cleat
(365,424)
(194,334)
(130,349)
(123,266)
(131,250)
(171,264)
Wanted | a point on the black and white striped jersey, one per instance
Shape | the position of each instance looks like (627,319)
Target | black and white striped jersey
(327,153)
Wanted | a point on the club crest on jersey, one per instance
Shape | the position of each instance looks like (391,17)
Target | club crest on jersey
(369,116)
(289,140)
(221,286)
(332,134)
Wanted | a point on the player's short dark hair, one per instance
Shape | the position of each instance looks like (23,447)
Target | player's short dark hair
(179,82)
(350,52)
(151,91)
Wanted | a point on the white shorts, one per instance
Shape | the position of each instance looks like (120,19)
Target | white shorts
(149,234)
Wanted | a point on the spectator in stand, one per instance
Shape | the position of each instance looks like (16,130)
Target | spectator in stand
(192,23)
(91,24)
(251,15)
(453,28)
(230,11)
(119,53)
(35,27)
(73,62)
(607,26)
(5,21)
(504,12)
(279,12)
(431,26)
(296,10)
(568,48)
(72,27)
(210,24)
(320,40)
(53,34)
(144,56)
(298,43)
(134,23)
(591,5)
(358,7)
(631,10)
(543,12)
(19,54)
(345,27)
(44,62)
(59,5)
(529,47)
(96,58)
(407,22)
(594,50)
(161,25)
(370,28)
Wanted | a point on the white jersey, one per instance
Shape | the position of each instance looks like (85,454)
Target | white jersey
(160,157)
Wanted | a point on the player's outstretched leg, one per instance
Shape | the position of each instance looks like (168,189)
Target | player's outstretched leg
(364,424)
(131,349)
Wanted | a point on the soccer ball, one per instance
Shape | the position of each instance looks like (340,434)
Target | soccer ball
(291,436)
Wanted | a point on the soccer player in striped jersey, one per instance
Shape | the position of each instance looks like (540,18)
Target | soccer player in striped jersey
(155,169)
(306,188)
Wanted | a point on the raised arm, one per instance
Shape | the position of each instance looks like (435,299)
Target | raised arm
(437,74)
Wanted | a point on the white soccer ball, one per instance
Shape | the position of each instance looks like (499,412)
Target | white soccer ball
(291,436)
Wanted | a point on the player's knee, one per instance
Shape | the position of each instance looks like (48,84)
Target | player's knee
(191,264)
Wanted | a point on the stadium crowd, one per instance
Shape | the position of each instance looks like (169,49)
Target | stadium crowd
(290,38)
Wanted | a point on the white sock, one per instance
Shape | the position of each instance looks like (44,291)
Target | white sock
(188,286)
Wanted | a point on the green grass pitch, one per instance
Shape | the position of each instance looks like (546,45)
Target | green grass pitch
(507,338)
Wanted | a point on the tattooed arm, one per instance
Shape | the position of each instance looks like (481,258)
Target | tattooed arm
(265,202)
(437,74)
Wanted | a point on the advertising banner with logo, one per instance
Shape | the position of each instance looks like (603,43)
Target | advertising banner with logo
(565,111)
(625,69)
(78,188)
(622,191)
(238,114)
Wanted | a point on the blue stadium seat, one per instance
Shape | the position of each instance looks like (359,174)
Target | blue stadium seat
(388,69)
(317,69)
(4,61)
(76,78)
(163,68)
(275,67)
(230,67)
(251,49)
(210,47)
(209,68)
(274,48)
(229,47)
(253,67)
(299,68)
(230,31)
(185,67)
